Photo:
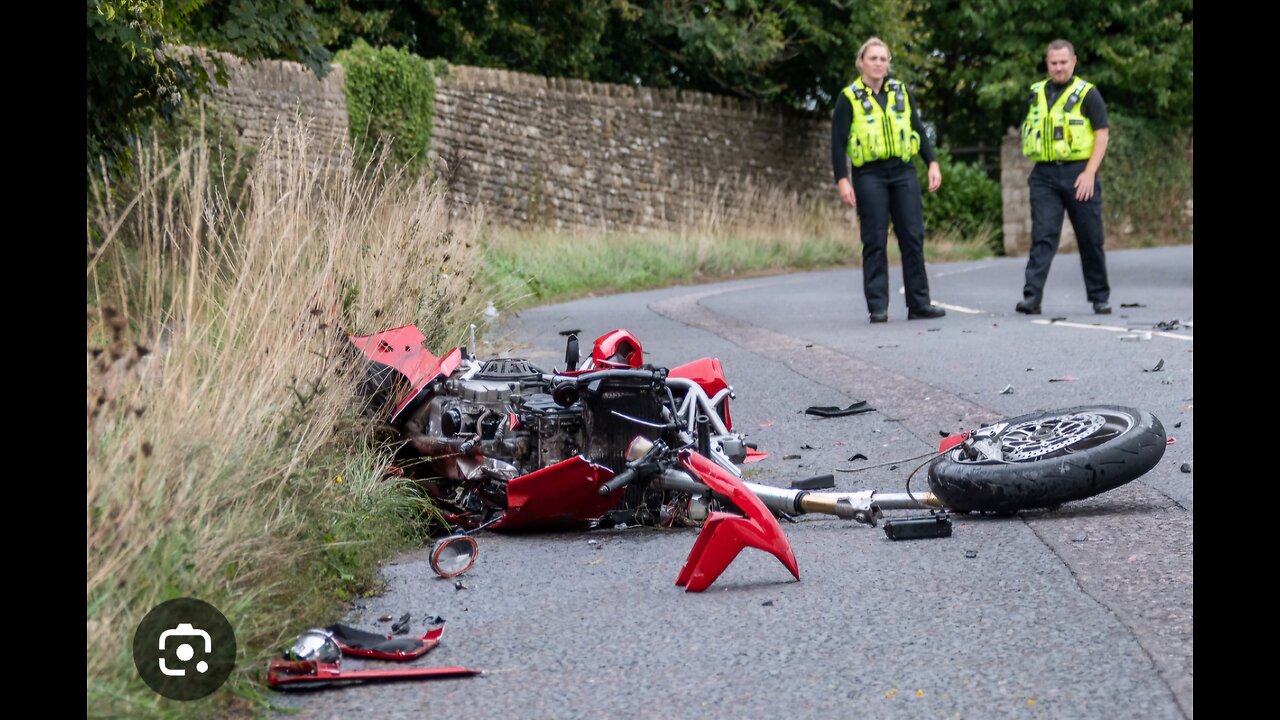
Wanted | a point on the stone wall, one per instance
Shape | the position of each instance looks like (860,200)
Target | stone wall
(269,93)
(563,152)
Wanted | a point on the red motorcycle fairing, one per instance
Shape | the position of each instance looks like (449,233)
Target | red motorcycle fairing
(308,672)
(708,373)
(362,643)
(401,348)
(617,349)
(564,495)
(724,535)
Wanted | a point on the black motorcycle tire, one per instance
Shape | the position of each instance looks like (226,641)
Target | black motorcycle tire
(1128,444)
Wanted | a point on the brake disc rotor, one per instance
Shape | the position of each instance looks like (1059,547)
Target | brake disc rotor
(1036,438)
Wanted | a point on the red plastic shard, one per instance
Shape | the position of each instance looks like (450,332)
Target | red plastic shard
(951,441)
(401,348)
(385,647)
(724,535)
(754,455)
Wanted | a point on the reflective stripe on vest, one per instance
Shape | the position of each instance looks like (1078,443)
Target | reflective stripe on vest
(877,134)
(1061,132)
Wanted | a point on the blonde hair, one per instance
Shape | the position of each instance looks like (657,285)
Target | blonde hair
(863,50)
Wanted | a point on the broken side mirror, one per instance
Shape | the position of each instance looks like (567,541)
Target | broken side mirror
(453,555)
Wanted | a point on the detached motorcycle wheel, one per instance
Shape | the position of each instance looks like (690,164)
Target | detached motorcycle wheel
(1052,458)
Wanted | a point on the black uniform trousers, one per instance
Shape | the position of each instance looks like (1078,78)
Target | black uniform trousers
(890,189)
(1052,191)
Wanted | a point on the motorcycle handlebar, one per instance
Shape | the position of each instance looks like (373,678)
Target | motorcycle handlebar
(617,481)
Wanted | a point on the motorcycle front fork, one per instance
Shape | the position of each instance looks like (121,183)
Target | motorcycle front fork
(865,506)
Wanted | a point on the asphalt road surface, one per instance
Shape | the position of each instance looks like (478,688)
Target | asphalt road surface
(1080,612)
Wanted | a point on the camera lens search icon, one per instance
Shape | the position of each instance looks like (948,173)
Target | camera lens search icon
(184,649)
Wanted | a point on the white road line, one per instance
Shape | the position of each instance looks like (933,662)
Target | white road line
(1111,328)
(964,270)
(958,308)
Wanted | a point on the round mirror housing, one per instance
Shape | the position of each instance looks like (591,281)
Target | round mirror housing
(453,555)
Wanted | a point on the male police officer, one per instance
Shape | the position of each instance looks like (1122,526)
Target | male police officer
(1065,134)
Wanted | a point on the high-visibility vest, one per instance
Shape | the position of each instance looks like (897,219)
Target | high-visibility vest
(1061,132)
(878,133)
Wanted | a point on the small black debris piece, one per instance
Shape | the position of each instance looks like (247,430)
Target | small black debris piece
(971,554)
(833,411)
(807,446)
(1178,424)
(767,603)
(1186,467)
(1079,537)
(1057,319)
(1133,305)
(1008,390)
(401,626)
(790,457)
(857,456)
(818,482)
(1159,366)
(915,528)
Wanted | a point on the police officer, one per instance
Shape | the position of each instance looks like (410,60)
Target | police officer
(876,125)
(1065,134)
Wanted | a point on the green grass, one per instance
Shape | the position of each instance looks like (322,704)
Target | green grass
(220,385)
(532,267)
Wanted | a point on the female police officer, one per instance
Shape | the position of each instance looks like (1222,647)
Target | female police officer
(877,127)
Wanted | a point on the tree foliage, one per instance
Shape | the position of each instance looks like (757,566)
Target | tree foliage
(969,62)
(989,51)
(390,97)
(131,79)
(134,78)
(967,203)
(795,53)
(255,29)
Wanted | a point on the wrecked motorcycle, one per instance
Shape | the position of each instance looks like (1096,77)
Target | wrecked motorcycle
(611,440)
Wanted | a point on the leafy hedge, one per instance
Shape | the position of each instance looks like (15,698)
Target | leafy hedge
(968,203)
(390,98)
(1146,181)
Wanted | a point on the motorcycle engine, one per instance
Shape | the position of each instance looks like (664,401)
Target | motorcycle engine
(508,420)
(508,410)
